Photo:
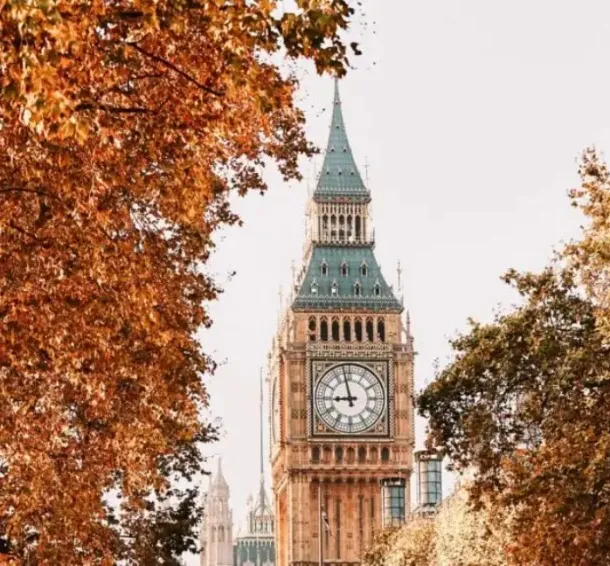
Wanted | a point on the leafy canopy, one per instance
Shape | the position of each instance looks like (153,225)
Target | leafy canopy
(124,127)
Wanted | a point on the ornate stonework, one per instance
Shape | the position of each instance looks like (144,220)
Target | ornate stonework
(341,380)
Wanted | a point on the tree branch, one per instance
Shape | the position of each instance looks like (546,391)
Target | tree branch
(115,109)
(173,67)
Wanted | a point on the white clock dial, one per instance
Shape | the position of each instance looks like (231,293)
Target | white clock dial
(349,398)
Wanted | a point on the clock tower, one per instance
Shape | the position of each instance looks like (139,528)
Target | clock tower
(341,382)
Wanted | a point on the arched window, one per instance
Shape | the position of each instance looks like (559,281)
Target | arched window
(344,270)
(357,289)
(349,228)
(312,328)
(334,289)
(339,454)
(357,227)
(221,534)
(373,454)
(369,330)
(324,268)
(314,288)
(364,270)
(358,330)
(362,454)
(327,454)
(315,455)
(325,222)
(381,330)
(341,220)
(347,330)
(335,330)
(377,290)
(341,235)
(385,455)
(350,455)
(324,330)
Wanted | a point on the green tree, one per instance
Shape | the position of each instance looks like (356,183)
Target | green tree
(522,404)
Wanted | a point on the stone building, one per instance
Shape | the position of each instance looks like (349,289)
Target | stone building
(216,537)
(256,546)
(341,381)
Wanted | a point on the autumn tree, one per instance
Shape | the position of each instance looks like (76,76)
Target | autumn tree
(125,125)
(523,404)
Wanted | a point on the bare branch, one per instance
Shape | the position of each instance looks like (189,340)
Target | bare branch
(173,67)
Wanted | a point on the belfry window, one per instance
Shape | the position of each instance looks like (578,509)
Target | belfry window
(324,330)
(362,454)
(381,330)
(358,330)
(369,330)
(347,330)
(315,454)
(312,329)
(335,330)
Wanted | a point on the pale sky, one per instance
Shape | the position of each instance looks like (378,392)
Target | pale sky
(471,115)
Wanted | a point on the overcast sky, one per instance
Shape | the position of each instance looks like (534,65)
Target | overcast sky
(471,115)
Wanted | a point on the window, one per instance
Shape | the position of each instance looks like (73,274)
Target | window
(364,270)
(312,329)
(335,330)
(314,288)
(362,454)
(358,330)
(347,330)
(350,455)
(334,290)
(339,454)
(344,269)
(430,486)
(324,330)
(357,289)
(315,455)
(324,268)
(357,227)
(377,290)
(385,455)
(369,330)
(393,502)
(381,330)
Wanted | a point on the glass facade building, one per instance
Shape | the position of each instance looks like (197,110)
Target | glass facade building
(429,484)
(393,502)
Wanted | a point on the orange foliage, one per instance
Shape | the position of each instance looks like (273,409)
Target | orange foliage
(124,125)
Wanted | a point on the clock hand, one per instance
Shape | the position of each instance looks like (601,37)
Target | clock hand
(345,398)
(349,399)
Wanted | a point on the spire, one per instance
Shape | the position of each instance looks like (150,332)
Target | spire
(219,480)
(339,175)
(261,494)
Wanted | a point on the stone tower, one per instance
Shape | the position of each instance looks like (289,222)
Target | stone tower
(341,379)
(216,535)
(256,547)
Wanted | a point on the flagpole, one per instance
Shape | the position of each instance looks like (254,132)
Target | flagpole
(320,523)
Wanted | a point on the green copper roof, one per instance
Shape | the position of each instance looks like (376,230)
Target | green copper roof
(339,175)
(341,267)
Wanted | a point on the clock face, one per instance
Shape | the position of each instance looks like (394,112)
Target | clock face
(349,398)
(275,409)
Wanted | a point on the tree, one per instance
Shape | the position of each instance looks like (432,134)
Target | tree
(124,127)
(410,545)
(521,403)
